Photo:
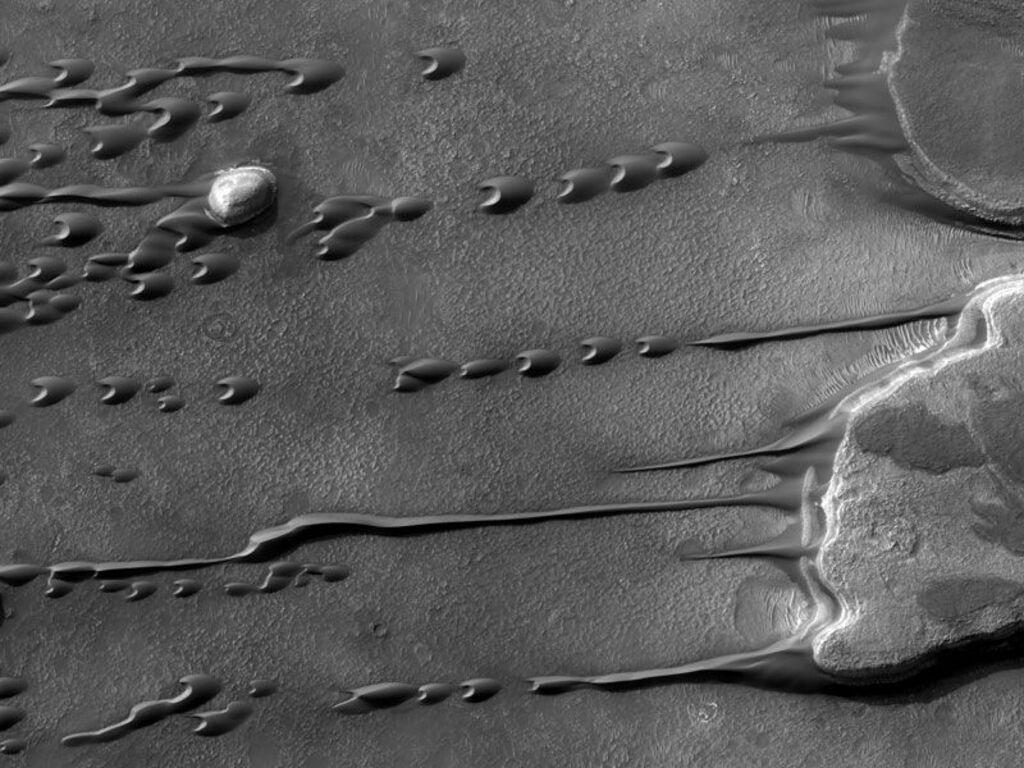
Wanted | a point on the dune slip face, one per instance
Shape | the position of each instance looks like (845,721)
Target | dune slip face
(545,383)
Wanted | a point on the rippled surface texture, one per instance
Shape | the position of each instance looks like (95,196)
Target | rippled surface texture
(494,262)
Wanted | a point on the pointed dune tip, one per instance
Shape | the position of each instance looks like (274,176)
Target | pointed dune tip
(505,194)
(441,62)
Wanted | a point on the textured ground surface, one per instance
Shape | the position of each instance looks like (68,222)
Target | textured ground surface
(926,507)
(975,50)
(762,236)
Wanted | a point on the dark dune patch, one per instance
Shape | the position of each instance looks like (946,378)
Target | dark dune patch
(953,600)
(1000,425)
(1000,521)
(915,438)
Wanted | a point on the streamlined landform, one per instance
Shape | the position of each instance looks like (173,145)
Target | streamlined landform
(904,489)
(951,152)
(905,494)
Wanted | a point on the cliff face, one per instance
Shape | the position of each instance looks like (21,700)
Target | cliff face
(964,138)
(925,512)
